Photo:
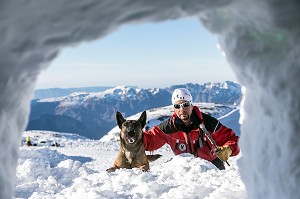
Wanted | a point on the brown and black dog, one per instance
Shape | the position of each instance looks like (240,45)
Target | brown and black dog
(132,152)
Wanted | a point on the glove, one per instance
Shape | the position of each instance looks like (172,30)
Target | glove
(223,152)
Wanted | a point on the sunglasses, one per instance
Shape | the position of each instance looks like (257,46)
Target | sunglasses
(184,105)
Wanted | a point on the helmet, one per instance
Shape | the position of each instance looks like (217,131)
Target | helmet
(181,94)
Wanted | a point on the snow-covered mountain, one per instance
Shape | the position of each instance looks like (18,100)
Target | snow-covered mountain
(59,92)
(76,169)
(93,114)
(222,93)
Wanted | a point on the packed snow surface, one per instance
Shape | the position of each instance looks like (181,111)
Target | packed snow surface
(77,169)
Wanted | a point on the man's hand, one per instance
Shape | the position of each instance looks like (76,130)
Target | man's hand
(223,152)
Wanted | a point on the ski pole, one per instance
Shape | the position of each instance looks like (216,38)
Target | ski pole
(212,141)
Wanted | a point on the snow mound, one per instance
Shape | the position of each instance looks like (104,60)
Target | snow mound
(76,169)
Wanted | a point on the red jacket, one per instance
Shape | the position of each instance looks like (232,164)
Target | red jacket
(183,139)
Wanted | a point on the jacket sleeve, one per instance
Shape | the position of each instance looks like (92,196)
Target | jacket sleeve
(226,136)
(154,139)
(222,134)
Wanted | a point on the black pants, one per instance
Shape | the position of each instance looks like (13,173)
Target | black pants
(218,163)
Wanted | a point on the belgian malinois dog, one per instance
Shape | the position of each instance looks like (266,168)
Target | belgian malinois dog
(132,152)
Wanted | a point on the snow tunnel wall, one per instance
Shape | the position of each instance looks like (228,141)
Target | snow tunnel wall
(260,39)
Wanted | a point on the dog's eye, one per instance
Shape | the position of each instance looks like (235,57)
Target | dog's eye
(131,126)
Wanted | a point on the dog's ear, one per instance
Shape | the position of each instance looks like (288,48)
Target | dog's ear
(120,119)
(143,119)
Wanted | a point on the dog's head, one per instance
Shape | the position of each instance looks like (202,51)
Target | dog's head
(131,130)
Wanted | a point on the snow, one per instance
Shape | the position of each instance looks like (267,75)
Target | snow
(116,93)
(231,120)
(261,43)
(76,169)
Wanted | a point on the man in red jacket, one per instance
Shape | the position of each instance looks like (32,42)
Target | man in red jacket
(181,131)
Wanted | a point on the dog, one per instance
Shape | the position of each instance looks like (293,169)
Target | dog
(132,152)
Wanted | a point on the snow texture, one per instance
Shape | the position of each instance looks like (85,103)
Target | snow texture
(76,169)
(259,38)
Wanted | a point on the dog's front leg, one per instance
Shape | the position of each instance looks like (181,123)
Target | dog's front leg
(111,169)
(144,168)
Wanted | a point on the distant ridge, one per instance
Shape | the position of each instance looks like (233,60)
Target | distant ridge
(59,92)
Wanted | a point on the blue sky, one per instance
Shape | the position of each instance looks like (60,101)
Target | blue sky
(145,55)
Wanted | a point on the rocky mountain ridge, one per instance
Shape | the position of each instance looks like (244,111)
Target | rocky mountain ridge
(92,114)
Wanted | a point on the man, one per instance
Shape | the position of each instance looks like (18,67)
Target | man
(181,131)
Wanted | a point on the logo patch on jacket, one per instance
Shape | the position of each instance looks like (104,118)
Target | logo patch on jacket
(182,147)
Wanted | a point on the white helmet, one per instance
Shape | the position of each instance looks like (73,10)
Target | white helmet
(181,94)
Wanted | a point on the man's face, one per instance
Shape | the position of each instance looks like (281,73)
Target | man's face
(183,109)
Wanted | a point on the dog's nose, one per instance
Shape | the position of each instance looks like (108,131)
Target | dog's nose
(131,133)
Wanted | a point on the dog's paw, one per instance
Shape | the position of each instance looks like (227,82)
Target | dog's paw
(112,169)
(144,168)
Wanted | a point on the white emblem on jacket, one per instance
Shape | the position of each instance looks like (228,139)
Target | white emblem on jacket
(182,147)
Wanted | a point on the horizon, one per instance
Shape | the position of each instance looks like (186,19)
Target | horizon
(150,55)
(136,86)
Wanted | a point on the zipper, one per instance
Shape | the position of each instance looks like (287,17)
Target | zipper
(189,142)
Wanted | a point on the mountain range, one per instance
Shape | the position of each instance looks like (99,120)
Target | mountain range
(92,114)
(59,92)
